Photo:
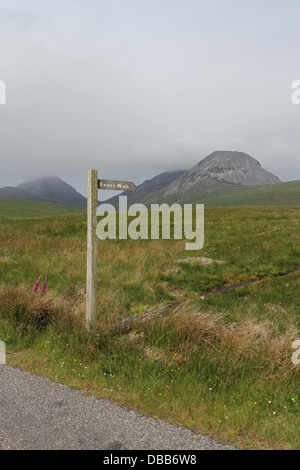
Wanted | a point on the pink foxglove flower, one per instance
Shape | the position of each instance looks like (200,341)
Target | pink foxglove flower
(36,284)
(44,286)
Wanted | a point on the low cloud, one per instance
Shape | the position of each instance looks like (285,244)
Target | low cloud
(136,88)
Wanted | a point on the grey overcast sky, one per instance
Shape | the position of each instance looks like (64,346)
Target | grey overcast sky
(137,87)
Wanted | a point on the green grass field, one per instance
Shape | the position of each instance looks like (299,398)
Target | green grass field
(218,360)
(282,194)
(20,209)
(218,194)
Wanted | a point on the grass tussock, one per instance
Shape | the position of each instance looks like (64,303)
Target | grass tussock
(260,343)
(32,312)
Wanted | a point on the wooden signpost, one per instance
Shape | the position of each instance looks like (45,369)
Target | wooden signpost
(92,257)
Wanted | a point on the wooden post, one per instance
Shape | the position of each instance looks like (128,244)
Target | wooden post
(92,262)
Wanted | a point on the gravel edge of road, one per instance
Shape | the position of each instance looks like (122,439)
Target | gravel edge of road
(34,407)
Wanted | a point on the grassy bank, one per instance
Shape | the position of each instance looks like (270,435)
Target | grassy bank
(219,363)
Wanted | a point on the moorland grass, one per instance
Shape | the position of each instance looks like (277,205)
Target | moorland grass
(220,364)
(20,209)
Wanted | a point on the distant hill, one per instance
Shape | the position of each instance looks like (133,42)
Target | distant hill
(51,189)
(223,178)
(11,192)
(225,167)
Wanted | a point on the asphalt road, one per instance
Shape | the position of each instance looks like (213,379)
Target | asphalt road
(37,414)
